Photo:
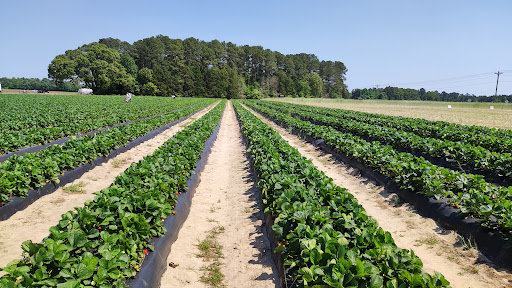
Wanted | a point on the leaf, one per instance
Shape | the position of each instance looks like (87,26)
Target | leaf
(343,241)
(376,281)
(393,283)
(315,256)
(307,274)
(21,270)
(308,244)
(83,272)
(76,239)
(352,256)
(30,247)
(90,262)
(100,276)
(11,267)
(486,209)
(114,274)
(360,268)
(65,273)
(69,284)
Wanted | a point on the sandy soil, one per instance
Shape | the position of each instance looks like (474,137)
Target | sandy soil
(34,222)
(226,197)
(438,248)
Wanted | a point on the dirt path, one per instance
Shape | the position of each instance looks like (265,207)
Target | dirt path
(438,248)
(226,197)
(34,222)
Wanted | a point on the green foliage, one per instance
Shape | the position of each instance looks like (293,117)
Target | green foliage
(129,64)
(105,242)
(196,68)
(315,83)
(95,65)
(395,93)
(252,91)
(470,193)
(286,86)
(326,238)
(144,76)
(149,89)
(302,88)
(466,149)
(38,84)
(19,174)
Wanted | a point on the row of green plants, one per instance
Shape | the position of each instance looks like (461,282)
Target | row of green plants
(469,193)
(326,237)
(103,243)
(11,141)
(476,157)
(20,174)
(492,139)
(20,111)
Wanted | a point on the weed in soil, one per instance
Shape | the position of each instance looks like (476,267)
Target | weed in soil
(211,251)
(75,188)
(116,163)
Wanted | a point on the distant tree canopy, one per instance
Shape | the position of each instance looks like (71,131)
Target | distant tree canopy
(395,93)
(163,66)
(37,84)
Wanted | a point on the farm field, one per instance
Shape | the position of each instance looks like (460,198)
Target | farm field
(460,113)
(255,191)
(440,249)
(48,209)
(20,91)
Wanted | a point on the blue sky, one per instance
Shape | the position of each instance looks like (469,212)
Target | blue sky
(444,45)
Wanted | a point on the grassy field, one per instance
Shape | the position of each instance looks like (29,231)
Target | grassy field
(461,112)
(20,91)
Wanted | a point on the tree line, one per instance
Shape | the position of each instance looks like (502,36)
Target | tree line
(163,66)
(44,84)
(395,93)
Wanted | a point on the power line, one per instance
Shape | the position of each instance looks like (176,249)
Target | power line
(441,84)
(450,79)
(465,85)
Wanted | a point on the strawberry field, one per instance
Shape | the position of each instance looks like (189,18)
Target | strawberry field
(320,234)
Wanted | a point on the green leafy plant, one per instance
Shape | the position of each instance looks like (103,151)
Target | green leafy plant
(325,237)
(104,242)
(471,194)
(20,174)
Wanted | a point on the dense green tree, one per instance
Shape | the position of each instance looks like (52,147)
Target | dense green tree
(96,66)
(129,64)
(302,88)
(252,91)
(38,84)
(315,83)
(192,67)
(285,84)
(116,44)
(62,68)
(144,76)
(149,89)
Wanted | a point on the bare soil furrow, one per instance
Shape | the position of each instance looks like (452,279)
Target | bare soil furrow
(226,201)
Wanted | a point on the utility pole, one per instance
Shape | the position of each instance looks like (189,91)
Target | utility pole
(376,91)
(496,93)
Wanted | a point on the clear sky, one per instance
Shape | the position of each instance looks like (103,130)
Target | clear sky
(444,45)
